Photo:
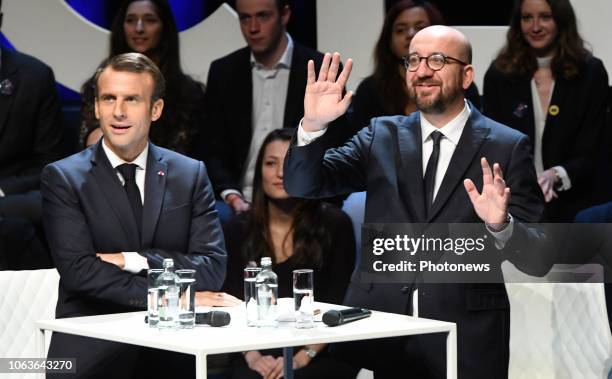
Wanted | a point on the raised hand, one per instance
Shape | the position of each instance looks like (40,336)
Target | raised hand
(323,100)
(492,204)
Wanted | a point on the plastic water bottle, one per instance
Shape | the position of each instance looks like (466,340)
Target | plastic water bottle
(168,297)
(267,294)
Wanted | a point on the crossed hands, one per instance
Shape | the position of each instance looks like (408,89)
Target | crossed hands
(272,368)
(323,100)
(492,204)
(547,181)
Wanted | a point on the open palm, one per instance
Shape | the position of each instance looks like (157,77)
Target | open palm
(491,205)
(323,100)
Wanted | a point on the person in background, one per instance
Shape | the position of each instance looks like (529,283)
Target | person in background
(250,92)
(546,84)
(148,27)
(31,135)
(385,93)
(296,234)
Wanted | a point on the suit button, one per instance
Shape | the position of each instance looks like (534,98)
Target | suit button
(405,290)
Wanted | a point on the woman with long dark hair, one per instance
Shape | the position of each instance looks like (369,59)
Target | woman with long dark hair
(295,234)
(385,92)
(545,83)
(148,27)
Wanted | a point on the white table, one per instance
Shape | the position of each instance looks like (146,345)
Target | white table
(203,340)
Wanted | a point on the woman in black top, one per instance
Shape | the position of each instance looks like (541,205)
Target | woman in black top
(296,234)
(148,27)
(546,84)
(385,92)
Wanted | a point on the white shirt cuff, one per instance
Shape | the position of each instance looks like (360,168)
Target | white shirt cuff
(304,137)
(228,192)
(134,262)
(566,183)
(2,193)
(502,236)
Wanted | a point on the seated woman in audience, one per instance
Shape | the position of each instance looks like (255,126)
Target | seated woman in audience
(546,84)
(296,234)
(385,92)
(148,27)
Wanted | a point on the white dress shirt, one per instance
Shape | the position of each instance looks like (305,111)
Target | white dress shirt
(134,262)
(268,110)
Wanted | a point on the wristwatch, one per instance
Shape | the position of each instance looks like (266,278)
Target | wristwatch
(310,352)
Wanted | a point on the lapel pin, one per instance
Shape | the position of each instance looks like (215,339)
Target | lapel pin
(161,173)
(6,87)
(520,110)
(553,110)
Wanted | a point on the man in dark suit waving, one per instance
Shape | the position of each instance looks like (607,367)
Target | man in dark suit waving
(429,167)
(120,207)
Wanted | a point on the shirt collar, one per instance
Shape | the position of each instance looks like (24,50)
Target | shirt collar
(285,59)
(452,131)
(140,161)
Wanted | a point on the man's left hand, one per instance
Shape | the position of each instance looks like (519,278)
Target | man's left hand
(115,258)
(492,204)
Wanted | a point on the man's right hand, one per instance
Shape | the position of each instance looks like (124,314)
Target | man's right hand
(323,101)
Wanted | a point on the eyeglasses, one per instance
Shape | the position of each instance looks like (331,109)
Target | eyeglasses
(435,61)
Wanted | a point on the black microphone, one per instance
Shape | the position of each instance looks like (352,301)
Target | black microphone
(213,318)
(335,317)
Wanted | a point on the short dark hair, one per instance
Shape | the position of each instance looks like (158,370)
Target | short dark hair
(280,4)
(136,63)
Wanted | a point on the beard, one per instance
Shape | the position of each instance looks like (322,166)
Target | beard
(435,103)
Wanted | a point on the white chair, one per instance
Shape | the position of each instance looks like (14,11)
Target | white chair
(28,296)
(558,330)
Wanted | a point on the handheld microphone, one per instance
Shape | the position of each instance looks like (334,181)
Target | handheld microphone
(344,316)
(212,318)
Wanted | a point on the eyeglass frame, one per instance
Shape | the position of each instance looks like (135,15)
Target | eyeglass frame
(447,59)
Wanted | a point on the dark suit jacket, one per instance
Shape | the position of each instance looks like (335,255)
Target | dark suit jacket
(86,210)
(224,145)
(571,138)
(30,128)
(385,159)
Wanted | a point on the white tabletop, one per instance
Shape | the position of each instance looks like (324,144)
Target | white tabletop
(130,328)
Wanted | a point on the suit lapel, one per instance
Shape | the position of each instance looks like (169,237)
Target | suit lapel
(472,137)
(553,124)
(244,98)
(10,71)
(410,179)
(155,186)
(115,195)
(295,91)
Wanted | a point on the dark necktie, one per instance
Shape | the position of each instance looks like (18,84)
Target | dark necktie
(429,181)
(128,171)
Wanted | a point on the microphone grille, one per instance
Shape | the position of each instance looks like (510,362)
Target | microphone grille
(219,318)
(332,317)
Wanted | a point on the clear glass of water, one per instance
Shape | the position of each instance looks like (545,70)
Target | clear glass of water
(187,298)
(152,293)
(250,294)
(303,298)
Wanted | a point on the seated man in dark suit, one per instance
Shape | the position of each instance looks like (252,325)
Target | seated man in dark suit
(30,138)
(429,167)
(121,206)
(251,92)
